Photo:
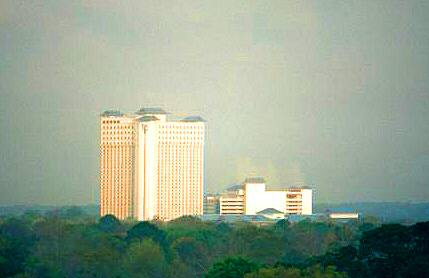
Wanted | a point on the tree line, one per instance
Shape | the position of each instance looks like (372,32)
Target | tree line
(72,244)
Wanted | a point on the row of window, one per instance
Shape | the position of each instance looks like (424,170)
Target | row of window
(128,127)
(110,122)
(121,138)
(118,144)
(180,127)
(117,132)
(170,130)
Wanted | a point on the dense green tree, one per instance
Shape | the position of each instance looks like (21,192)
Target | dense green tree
(292,272)
(16,239)
(232,267)
(146,230)
(316,271)
(144,259)
(206,235)
(346,259)
(71,244)
(73,212)
(275,272)
(281,226)
(257,243)
(193,254)
(109,223)
(395,250)
(73,250)
(307,239)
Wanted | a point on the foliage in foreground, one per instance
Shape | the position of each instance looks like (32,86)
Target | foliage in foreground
(75,245)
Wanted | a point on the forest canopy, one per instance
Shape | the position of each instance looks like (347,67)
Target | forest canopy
(73,244)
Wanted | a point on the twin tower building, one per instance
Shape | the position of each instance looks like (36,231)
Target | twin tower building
(151,168)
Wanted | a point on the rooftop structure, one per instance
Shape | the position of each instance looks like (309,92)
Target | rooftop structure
(254,180)
(193,119)
(112,113)
(151,110)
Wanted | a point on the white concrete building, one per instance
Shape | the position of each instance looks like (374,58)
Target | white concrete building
(258,198)
(344,215)
(299,201)
(153,168)
(255,198)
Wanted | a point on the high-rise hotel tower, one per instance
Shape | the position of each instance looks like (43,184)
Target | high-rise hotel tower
(151,168)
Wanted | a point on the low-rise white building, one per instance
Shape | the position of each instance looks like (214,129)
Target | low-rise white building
(344,215)
(253,198)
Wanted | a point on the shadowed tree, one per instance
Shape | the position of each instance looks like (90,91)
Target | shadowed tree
(275,272)
(192,253)
(146,230)
(16,240)
(232,267)
(109,223)
(395,250)
(144,259)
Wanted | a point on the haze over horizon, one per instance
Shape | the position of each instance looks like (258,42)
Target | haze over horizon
(328,94)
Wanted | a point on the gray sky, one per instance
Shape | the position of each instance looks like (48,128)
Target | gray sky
(328,93)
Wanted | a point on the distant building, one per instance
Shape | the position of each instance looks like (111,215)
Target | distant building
(252,198)
(234,218)
(344,215)
(211,204)
(151,168)
(232,202)
(316,217)
(299,201)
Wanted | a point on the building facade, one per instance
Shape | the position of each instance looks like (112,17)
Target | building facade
(232,202)
(151,168)
(299,201)
(211,204)
(253,198)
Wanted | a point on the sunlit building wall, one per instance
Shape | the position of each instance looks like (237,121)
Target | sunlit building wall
(232,202)
(253,198)
(299,201)
(258,198)
(117,165)
(166,172)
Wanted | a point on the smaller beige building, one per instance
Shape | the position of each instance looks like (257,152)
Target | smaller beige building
(211,204)
(232,202)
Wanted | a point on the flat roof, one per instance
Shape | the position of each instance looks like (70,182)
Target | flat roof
(112,113)
(193,119)
(254,180)
(151,110)
(148,119)
(269,211)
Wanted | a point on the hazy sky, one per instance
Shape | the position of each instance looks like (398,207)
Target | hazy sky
(333,94)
